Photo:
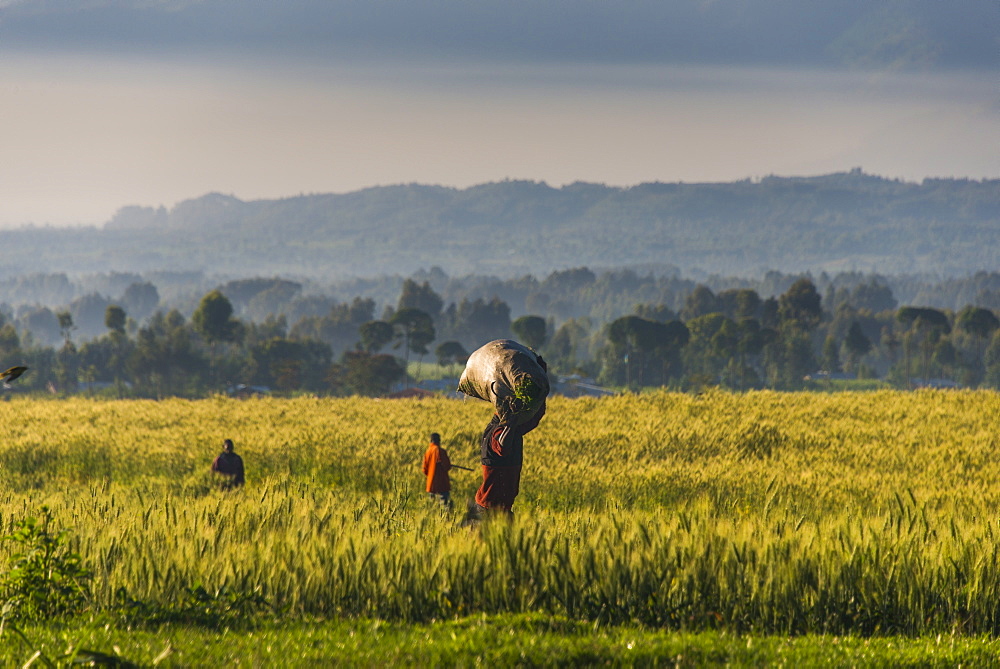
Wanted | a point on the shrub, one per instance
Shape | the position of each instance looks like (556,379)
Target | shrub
(45,579)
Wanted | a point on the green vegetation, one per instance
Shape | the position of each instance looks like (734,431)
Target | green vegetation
(845,527)
(500,640)
(735,339)
(44,578)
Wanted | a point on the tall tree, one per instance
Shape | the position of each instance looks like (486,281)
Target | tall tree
(366,374)
(978,322)
(476,322)
(375,335)
(415,330)
(800,306)
(530,330)
(141,299)
(66,326)
(857,345)
(213,319)
(420,296)
(700,302)
(115,318)
(925,328)
(67,368)
(831,355)
(451,353)
(165,360)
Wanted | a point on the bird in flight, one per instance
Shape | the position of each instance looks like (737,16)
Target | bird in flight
(11,374)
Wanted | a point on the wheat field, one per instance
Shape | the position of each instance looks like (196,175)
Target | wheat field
(776,513)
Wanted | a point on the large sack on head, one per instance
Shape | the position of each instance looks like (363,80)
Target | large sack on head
(510,376)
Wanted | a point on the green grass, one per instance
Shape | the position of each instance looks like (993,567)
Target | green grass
(742,529)
(499,641)
(428,370)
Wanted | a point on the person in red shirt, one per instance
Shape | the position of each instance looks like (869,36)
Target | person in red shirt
(436,466)
(502,450)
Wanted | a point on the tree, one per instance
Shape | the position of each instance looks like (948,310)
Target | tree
(739,303)
(657,312)
(43,325)
(375,335)
(415,330)
(800,306)
(568,345)
(751,339)
(670,338)
(831,355)
(873,296)
(10,345)
(978,322)
(563,282)
(713,340)
(141,300)
(639,342)
(67,368)
(213,319)
(66,326)
(700,302)
(289,365)
(88,314)
(114,319)
(991,361)
(273,300)
(799,358)
(420,296)
(476,322)
(926,326)
(451,353)
(367,374)
(857,345)
(945,356)
(632,338)
(530,330)
(164,360)
(340,328)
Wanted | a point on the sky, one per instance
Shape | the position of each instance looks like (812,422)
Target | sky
(108,103)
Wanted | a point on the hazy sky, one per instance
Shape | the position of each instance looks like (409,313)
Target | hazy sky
(107,103)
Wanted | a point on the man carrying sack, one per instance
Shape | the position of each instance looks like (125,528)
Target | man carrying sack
(514,379)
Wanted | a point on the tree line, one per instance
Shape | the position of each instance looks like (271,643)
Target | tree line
(732,338)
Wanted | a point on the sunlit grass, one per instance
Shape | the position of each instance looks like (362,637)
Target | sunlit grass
(762,513)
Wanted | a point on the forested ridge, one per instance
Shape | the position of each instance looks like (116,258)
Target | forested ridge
(758,283)
(624,330)
(838,222)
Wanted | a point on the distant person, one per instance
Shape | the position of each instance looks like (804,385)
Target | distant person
(436,466)
(229,467)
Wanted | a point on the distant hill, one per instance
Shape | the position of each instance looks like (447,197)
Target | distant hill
(844,221)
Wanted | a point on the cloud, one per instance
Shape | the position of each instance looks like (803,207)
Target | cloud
(817,33)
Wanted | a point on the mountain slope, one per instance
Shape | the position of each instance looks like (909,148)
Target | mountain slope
(838,221)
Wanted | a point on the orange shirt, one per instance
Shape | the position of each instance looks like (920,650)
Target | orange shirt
(436,466)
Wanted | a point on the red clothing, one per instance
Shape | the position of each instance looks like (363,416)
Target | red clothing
(501,466)
(436,466)
(499,488)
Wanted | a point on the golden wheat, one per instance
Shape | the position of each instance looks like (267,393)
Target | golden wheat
(765,511)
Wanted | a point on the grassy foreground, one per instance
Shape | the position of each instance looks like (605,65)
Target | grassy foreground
(762,528)
(508,641)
